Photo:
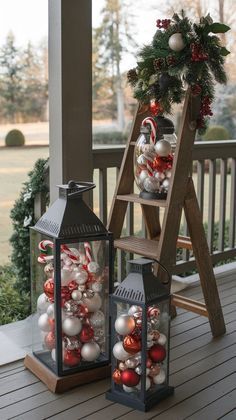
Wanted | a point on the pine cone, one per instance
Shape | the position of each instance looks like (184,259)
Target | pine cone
(132,77)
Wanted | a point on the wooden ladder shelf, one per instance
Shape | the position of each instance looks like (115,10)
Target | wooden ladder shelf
(162,240)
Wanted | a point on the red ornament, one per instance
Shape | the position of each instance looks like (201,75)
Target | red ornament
(82,311)
(65,293)
(86,334)
(48,289)
(153,312)
(155,108)
(148,363)
(129,377)
(157,353)
(131,344)
(71,358)
(116,376)
(50,340)
(72,286)
(51,323)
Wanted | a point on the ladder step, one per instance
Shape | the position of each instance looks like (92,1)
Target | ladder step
(140,246)
(134,198)
(189,304)
(184,242)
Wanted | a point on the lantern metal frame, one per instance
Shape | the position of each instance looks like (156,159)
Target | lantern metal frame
(150,293)
(63,230)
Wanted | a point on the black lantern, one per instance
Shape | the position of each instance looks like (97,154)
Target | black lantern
(153,157)
(140,309)
(71,269)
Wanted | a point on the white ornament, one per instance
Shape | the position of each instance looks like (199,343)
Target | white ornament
(148,384)
(168,174)
(72,326)
(159,175)
(141,160)
(134,309)
(143,175)
(97,320)
(42,303)
(76,295)
(160,378)
(94,303)
(93,267)
(66,276)
(90,352)
(119,352)
(138,370)
(124,324)
(162,339)
(128,388)
(131,363)
(80,276)
(176,42)
(151,184)
(96,286)
(149,150)
(165,184)
(50,311)
(163,148)
(43,323)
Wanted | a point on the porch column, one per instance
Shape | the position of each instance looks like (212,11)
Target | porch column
(70,92)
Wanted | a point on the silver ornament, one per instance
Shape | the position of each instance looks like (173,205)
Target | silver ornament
(48,270)
(122,366)
(159,175)
(93,267)
(141,160)
(50,311)
(80,276)
(160,378)
(168,174)
(90,352)
(43,323)
(165,184)
(96,287)
(133,309)
(97,319)
(151,184)
(81,287)
(71,307)
(94,303)
(176,42)
(71,343)
(163,148)
(42,303)
(131,363)
(76,295)
(143,175)
(138,370)
(119,352)
(162,339)
(71,326)
(124,324)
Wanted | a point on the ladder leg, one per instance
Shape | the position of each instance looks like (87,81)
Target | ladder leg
(203,261)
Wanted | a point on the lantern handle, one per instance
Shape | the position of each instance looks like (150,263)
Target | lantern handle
(165,269)
(80,187)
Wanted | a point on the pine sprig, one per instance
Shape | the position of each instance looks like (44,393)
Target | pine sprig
(199,62)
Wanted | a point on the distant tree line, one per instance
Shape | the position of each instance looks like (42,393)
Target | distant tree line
(23,82)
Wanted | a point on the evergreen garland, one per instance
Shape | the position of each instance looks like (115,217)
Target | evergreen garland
(22,216)
(163,69)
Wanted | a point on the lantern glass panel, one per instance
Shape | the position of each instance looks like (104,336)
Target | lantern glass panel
(71,285)
(140,349)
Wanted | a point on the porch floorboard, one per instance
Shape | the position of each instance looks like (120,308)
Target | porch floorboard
(202,371)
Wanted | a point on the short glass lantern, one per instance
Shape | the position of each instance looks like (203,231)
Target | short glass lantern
(153,157)
(71,270)
(140,310)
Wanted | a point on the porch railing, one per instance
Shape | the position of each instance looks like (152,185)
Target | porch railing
(214,175)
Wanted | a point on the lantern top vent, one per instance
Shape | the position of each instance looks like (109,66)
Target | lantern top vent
(69,217)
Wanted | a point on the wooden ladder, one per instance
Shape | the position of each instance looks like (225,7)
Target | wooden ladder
(162,240)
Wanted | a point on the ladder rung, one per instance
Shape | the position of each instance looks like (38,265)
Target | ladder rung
(134,198)
(184,242)
(140,246)
(189,304)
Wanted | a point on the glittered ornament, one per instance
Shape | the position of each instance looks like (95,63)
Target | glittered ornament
(124,324)
(151,184)
(130,378)
(176,42)
(48,288)
(153,312)
(50,340)
(160,378)
(65,293)
(71,358)
(96,287)
(71,326)
(71,343)
(97,319)
(131,344)
(116,376)
(80,276)
(72,286)
(93,267)
(86,334)
(82,311)
(90,352)
(119,352)
(157,353)
(163,148)
(48,270)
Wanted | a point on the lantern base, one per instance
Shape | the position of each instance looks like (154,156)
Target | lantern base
(58,384)
(137,404)
(153,196)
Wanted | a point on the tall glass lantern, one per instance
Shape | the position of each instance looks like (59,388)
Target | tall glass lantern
(153,157)
(71,269)
(140,339)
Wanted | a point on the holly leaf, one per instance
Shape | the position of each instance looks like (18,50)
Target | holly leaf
(218,28)
(224,51)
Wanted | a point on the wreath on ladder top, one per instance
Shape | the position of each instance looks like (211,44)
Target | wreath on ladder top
(181,52)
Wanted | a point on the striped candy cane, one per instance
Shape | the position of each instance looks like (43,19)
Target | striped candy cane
(88,251)
(45,244)
(74,258)
(153,125)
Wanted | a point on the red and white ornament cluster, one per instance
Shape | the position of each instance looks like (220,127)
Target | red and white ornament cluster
(83,334)
(127,350)
(153,161)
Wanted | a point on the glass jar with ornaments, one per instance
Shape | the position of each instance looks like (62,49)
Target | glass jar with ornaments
(71,266)
(153,157)
(140,310)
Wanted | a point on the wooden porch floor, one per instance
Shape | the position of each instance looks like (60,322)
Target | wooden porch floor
(203,372)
